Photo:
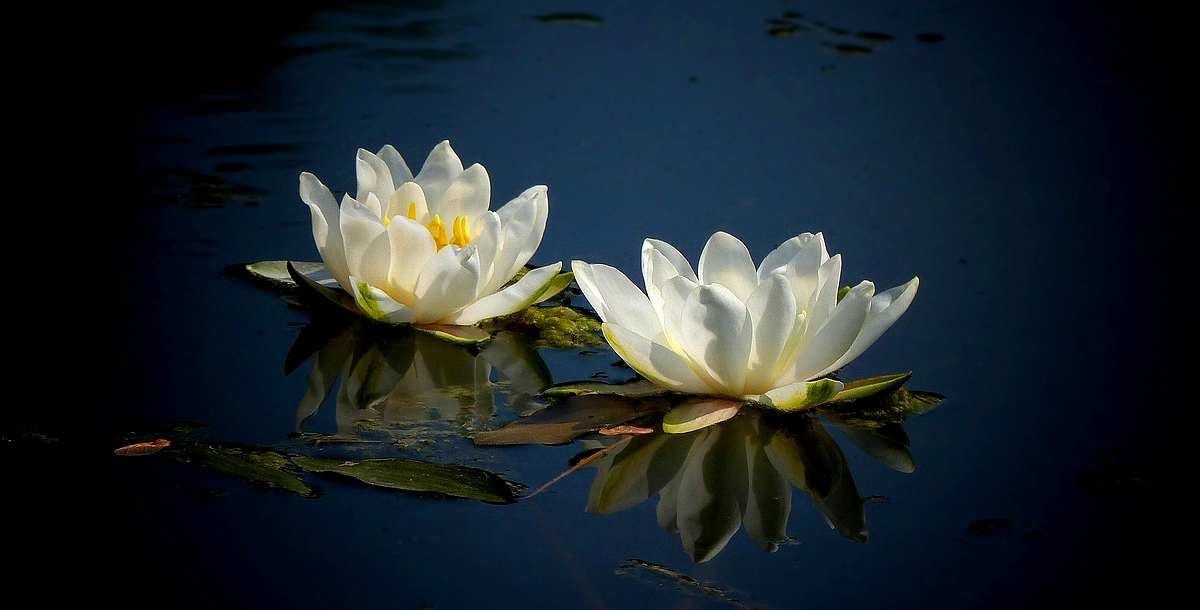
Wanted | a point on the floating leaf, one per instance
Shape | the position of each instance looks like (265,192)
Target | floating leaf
(580,18)
(416,475)
(634,388)
(276,272)
(153,446)
(562,423)
(695,413)
(463,335)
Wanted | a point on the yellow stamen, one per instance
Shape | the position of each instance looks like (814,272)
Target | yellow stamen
(461,237)
(438,231)
(386,221)
(412,210)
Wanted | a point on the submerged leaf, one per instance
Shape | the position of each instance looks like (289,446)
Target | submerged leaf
(416,475)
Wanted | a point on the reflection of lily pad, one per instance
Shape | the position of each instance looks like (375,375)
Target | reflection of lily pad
(416,475)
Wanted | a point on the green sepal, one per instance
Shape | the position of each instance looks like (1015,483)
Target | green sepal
(556,285)
(863,388)
(696,413)
(462,335)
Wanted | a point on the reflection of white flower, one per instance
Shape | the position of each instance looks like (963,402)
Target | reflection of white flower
(427,249)
(733,330)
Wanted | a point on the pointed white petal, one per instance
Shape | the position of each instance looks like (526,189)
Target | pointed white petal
(829,343)
(726,261)
(886,308)
(327,230)
(396,164)
(514,298)
(677,260)
(523,222)
(411,248)
(469,194)
(716,335)
(409,194)
(616,299)
(772,307)
(368,250)
(440,169)
(374,176)
(653,360)
(447,283)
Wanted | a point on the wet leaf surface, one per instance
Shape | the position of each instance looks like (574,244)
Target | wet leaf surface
(563,422)
(416,475)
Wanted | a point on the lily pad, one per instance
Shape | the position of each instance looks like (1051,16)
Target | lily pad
(276,272)
(634,388)
(416,475)
(562,423)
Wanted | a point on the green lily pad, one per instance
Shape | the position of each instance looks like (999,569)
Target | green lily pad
(263,467)
(634,388)
(276,272)
(416,475)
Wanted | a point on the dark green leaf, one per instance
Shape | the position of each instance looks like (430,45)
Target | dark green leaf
(415,475)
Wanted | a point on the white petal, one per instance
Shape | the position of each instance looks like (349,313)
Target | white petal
(374,176)
(726,261)
(378,306)
(823,299)
(803,268)
(523,222)
(513,298)
(772,307)
(659,271)
(487,238)
(447,283)
(327,229)
(828,344)
(409,195)
(677,260)
(653,360)
(411,248)
(440,169)
(469,194)
(717,335)
(674,294)
(368,250)
(616,299)
(886,308)
(396,164)
(777,260)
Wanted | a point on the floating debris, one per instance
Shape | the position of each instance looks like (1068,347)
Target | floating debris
(985,527)
(657,575)
(929,37)
(580,18)
(876,36)
(849,49)
(151,447)
(785,30)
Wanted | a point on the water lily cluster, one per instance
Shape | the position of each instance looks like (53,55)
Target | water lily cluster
(426,249)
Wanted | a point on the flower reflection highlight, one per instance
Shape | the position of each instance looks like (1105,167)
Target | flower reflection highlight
(406,377)
(738,473)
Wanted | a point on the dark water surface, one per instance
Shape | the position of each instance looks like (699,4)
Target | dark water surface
(1026,161)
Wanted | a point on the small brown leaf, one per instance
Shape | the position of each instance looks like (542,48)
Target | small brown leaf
(143,448)
(619,430)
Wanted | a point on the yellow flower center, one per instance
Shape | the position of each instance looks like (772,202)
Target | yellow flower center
(459,234)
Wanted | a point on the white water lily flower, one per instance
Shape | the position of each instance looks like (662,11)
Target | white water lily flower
(426,249)
(765,334)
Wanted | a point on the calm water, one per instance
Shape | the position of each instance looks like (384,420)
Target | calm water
(1024,162)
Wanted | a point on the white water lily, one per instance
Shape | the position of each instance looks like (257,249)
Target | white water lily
(426,249)
(766,334)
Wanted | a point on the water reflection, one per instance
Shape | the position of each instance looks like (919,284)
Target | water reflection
(405,376)
(713,481)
